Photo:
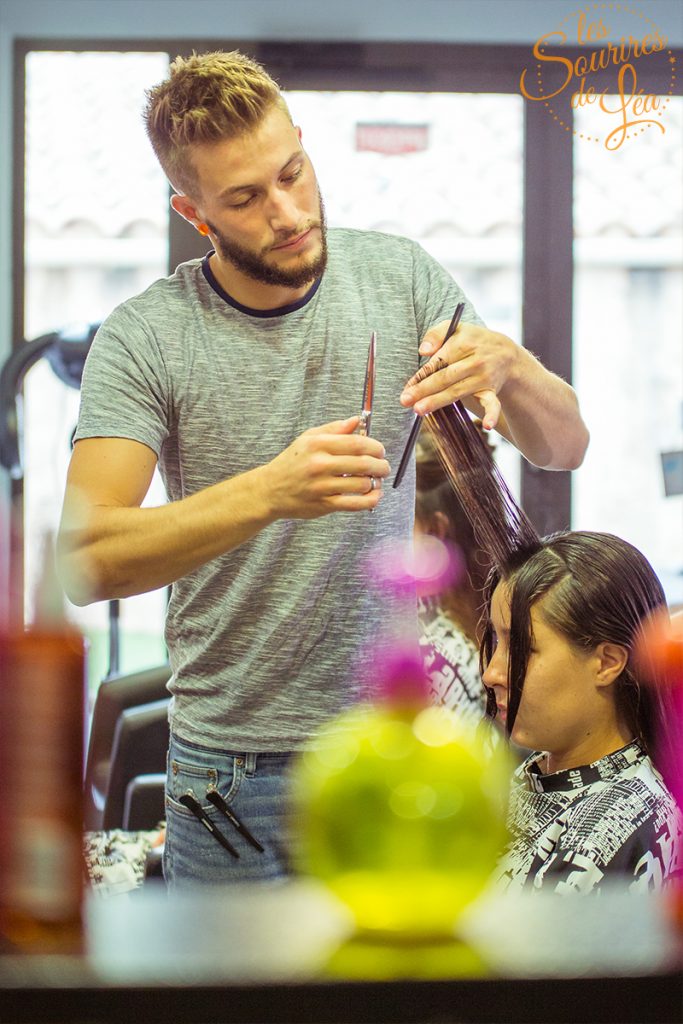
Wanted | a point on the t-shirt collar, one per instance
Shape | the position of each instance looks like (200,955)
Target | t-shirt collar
(262,313)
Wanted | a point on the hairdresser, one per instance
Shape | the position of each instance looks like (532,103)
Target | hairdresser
(241,376)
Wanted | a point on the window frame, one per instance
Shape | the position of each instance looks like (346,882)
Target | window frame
(547,242)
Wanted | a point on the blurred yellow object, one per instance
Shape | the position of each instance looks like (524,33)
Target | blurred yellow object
(400,810)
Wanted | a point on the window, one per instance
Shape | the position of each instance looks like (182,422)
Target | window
(96,229)
(628,357)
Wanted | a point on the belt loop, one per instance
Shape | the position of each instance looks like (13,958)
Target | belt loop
(250,769)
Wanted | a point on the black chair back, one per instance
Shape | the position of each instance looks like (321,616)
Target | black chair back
(113,697)
(143,805)
(140,746)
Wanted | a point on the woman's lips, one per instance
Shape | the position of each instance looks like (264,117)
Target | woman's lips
(502,712)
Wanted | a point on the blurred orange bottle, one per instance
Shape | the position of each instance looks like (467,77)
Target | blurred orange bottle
(42,699)
(660,654)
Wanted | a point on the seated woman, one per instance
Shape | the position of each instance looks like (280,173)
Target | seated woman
(558,651)
(449,622)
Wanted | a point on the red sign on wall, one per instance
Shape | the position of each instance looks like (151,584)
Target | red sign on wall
(391,139)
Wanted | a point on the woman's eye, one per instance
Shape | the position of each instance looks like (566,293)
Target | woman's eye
(241,206)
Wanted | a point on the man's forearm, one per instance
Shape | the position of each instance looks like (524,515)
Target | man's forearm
(113,552)
(542,417)
(110,547)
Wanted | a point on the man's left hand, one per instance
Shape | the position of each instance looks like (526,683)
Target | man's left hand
(473,363)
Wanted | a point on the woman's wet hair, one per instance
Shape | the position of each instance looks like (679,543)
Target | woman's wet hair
(592,587)
(436,497)
(498,523)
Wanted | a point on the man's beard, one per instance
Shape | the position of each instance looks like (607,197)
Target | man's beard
(254,266)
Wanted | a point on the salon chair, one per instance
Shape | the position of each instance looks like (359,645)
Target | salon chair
(110,744)
(139,748)
(143,804)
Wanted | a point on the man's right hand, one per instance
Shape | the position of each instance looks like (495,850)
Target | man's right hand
(111,547)
(326,469)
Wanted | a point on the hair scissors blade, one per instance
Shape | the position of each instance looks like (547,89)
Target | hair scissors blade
(369,389)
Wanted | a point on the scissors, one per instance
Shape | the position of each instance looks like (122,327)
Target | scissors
(363,427)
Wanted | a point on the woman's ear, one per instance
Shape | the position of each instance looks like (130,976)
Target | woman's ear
(439,525)
(612,660)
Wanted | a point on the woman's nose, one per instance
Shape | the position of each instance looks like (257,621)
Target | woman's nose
(496,671)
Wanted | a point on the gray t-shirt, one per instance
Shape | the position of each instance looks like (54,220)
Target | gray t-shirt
(268,641)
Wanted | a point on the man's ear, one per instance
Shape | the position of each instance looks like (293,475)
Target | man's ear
(612,660)
(186,208)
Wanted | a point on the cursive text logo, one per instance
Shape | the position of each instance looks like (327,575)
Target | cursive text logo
(618,40)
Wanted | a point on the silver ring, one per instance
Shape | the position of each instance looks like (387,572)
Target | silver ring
(373,483)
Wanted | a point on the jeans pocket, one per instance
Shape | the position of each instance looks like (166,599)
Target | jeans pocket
(184,776)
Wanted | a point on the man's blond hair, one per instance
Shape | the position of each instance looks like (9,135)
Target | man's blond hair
(206,98)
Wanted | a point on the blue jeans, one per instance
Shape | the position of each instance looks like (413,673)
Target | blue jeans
(254,786)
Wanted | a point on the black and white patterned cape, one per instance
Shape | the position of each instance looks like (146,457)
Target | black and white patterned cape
(115,861)
(571,829)
(452,664)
